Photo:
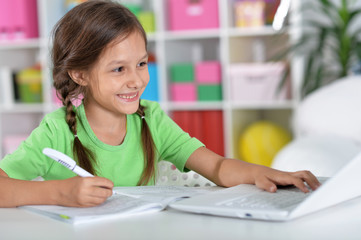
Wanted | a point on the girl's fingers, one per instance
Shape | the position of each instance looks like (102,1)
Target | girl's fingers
(93,191)
(299,179)
(102,182)
(94,197)
(265,184)
(92,202)
(309,178)
(101,192)
(299,183)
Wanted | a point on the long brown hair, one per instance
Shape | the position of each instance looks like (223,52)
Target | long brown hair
(78,40)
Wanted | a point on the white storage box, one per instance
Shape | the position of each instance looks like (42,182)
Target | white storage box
(257,82)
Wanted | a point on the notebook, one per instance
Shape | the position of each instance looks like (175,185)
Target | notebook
(248,201)
(126,201)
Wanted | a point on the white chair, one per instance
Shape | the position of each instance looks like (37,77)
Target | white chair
(168,174)
(327,127)
(322,155)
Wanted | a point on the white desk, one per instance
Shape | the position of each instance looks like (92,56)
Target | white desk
(340,222)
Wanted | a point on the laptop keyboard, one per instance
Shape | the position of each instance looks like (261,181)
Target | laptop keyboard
(283,199)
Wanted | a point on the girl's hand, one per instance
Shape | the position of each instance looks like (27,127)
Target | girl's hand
(84,191)
(228,172)
(268,179)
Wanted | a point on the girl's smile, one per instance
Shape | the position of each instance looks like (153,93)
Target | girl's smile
(129,97)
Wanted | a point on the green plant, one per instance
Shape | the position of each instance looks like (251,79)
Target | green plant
(331,41)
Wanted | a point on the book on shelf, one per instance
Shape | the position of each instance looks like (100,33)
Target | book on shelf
(126,201)
(22,86)
(7,96)
(213,131)
(205,125)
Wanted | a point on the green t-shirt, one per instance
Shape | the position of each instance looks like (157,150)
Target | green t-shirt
(122,164)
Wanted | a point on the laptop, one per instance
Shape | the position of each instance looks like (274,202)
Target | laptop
(248,201)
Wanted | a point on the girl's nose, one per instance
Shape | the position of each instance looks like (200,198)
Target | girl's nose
(135,80)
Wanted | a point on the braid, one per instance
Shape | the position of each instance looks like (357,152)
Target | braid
(148,150)
(70,115)
(84,156)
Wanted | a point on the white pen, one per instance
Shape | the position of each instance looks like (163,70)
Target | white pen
(67,162)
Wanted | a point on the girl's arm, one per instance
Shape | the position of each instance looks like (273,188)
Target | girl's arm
(230,172)
(75,192)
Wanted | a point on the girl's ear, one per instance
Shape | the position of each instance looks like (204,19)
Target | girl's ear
(79,77)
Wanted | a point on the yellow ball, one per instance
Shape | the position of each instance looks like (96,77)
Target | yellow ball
(261,141)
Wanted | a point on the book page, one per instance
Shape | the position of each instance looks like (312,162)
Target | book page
(126,201)
(116,205)
(164,194)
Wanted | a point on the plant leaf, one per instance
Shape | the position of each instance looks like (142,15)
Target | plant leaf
(285,76)
(328,46)
(307,78)
(353,14)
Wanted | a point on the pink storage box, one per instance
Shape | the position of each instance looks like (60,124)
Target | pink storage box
(25,20)
(5,20)
(257,82)
(183,92)
(208,72)
(18,19)
(193,14)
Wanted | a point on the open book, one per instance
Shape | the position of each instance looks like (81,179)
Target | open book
(125,202)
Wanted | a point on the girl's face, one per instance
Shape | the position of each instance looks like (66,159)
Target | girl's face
(119,77)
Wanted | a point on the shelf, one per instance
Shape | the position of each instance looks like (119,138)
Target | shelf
(254,31)
(215,33)
(20,44)
(182,106)
(225,44)
(193,34)
(23,108)
(151,37)
(263,105)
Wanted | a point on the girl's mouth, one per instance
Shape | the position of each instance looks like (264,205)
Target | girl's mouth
(128,97)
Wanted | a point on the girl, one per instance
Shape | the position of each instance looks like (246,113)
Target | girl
(100,52)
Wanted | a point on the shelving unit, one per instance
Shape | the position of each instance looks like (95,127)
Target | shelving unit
(226,44)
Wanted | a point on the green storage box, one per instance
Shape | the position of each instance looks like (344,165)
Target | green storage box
(182,72)
(134,8)
(210,92)
(146,18)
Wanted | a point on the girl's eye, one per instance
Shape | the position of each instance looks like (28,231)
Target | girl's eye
(119,69)
(142,64)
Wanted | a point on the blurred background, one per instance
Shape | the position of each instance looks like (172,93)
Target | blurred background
(252,79)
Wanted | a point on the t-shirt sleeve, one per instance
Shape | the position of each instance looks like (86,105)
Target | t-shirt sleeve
(27,161)
(172,143)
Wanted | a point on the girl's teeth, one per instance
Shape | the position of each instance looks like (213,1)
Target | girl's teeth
(128,97)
